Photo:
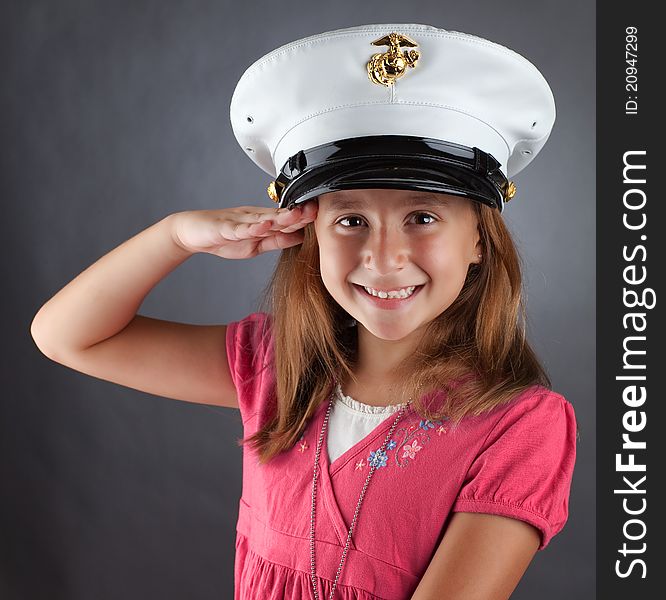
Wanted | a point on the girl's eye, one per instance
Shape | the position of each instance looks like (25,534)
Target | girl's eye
(352,218)
(427,216)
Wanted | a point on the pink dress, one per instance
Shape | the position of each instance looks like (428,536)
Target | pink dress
(516,460)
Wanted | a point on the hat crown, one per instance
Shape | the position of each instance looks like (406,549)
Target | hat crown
(461,89)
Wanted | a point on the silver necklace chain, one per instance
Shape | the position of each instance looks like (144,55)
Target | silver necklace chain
(373,467)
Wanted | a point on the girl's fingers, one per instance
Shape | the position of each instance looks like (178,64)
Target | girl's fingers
(281,240)
(265,223)
(290,221)
(264,229)
(292,228)
(289,217)
(302,212)
(239,230)
(286,217)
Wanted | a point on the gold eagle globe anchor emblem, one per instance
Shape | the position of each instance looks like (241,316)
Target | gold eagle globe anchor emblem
(385,67)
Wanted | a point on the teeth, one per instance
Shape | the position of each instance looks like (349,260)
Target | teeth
(401,293)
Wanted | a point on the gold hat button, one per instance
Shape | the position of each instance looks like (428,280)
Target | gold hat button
(272,192)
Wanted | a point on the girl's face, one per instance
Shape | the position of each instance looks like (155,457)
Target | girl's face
(393,239)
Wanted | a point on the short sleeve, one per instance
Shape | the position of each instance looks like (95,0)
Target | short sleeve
(247,344)
(525,466)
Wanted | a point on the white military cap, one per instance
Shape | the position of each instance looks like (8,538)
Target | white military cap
(402,105)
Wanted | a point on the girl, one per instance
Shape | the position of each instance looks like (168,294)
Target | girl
(401,438)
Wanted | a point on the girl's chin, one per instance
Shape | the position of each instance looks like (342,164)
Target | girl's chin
(385,327)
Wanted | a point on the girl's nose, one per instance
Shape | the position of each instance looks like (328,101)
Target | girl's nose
(386,250)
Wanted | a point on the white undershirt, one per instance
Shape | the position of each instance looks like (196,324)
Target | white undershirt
(350,421)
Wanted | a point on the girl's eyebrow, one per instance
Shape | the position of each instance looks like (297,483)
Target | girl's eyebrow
(411,201)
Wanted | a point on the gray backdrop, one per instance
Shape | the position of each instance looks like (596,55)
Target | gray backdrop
(115,114)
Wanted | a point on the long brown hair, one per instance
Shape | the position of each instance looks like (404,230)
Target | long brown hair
(474,356)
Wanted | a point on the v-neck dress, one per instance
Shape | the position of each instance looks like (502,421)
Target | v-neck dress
(351,421)
(515,460)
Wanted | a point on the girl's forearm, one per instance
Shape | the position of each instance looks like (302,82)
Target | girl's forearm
(105,297)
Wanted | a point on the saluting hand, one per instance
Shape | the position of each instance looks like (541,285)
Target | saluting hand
(243,231)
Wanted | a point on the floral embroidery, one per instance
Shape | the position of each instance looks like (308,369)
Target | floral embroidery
(378,459)
(408,439)
(412,439)
(302,443)
(411,450)
(427,424)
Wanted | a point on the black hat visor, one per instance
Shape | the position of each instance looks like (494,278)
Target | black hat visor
(392,162)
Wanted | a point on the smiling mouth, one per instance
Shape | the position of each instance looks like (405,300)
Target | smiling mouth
(402,294)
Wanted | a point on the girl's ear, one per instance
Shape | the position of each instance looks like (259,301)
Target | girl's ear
(477,257)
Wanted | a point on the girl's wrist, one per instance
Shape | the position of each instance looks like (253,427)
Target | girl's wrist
(169,223)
